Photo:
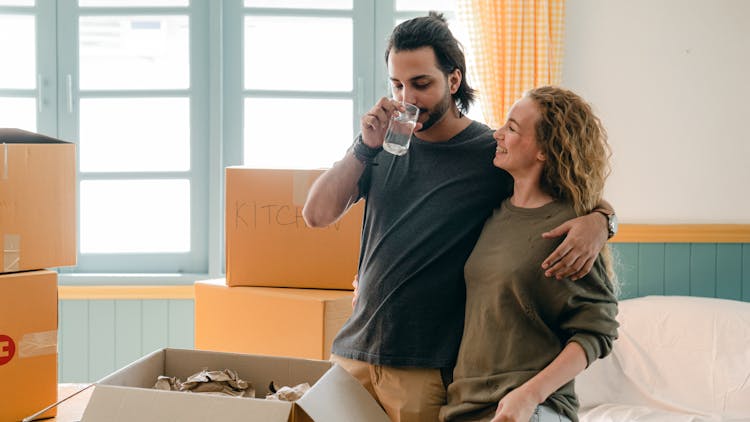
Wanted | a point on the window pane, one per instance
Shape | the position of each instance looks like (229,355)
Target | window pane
(277,57)
(120,216)
(134,52)
(301,4)
(18,46)
(18,112)
(325,131)
(16,2)
(424,5)
(135,134)
(132,3)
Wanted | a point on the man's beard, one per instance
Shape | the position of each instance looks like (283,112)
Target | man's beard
(438,112)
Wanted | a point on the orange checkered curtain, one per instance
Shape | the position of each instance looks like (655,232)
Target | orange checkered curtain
(517,45)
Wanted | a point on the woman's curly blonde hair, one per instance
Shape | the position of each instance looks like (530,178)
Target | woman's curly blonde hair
(575,143)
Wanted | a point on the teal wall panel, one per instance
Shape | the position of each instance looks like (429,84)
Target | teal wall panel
(155,325)
(74,341)
(97,337)
(684,269)
(703,270)
(102,338)
(181,324)
(128,321)
(746,272)
(650,269)
(677,269)
(729,271)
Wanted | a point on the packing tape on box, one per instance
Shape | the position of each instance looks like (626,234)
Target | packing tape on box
(300,186)
(11,252)
(40,343)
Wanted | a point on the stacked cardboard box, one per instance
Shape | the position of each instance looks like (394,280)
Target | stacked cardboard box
(37,230)
(288,286)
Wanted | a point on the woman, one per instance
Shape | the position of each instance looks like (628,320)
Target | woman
(526,336)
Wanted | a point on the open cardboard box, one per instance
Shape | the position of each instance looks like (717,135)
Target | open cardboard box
(127,394)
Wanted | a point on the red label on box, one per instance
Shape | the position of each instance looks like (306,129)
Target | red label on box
(7,349)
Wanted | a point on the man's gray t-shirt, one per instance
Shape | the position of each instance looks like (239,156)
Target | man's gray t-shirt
(423,214)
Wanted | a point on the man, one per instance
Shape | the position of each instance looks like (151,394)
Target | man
(423,214)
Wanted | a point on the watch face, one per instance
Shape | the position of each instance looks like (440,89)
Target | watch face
(613,224)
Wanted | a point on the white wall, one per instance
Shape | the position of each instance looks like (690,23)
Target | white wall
(671,81)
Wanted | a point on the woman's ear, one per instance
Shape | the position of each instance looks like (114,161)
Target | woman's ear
(540,156)
(454,80)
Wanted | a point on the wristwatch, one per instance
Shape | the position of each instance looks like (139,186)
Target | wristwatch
(363,152)
(611,222)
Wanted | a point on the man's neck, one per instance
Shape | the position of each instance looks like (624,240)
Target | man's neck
(452,123)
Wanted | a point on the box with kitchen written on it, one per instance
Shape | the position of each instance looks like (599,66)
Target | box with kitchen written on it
(37,201)
(28,344)
(127,395)
(267,240)
(270,321)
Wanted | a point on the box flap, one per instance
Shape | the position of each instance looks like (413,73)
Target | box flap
(338,397)
(120,404)
(18,136)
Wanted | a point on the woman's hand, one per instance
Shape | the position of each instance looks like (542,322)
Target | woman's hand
(516,406)
(585,237)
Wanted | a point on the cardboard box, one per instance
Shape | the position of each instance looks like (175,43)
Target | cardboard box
(37,201)
(28,343)
(269,321)
(126,395)
(267,240)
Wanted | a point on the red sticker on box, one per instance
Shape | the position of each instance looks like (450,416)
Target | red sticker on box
(7,349)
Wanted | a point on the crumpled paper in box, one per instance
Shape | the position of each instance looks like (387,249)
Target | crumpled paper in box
(225,382)
(287,393)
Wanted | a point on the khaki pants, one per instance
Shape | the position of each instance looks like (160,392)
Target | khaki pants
(406,394)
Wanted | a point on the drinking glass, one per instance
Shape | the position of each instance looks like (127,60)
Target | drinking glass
(400,128)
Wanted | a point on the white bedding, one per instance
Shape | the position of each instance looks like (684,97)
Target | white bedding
(677,358)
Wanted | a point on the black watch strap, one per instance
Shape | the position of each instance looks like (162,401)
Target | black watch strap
(364,153)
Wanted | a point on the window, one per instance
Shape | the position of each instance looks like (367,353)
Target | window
(161,95)
(134,100)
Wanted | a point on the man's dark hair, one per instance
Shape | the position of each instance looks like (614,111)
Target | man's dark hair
(432,31)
